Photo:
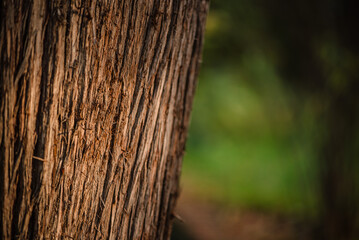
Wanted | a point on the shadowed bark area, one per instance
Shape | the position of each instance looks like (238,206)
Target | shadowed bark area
(95,100)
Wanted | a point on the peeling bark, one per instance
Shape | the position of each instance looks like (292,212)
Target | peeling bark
(95,100)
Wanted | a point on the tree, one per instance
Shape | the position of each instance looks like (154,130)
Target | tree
(95,100)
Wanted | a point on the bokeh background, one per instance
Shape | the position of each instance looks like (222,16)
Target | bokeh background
(272,151)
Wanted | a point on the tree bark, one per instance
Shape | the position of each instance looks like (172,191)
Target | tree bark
(95,100)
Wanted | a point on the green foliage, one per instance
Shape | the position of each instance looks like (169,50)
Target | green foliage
(242,149)
(275,120)
(248,145)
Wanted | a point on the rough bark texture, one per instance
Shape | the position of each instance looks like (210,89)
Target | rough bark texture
(95,99)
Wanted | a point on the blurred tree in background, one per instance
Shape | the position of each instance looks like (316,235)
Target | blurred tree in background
(275,122)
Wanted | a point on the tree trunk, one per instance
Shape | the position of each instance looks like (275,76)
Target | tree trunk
(339,153)
(95,101)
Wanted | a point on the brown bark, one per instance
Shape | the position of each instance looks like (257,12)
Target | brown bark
(95,99)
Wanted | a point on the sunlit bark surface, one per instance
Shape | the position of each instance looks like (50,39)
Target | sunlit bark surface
(95,99)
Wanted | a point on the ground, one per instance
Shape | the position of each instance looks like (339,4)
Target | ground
(198,219)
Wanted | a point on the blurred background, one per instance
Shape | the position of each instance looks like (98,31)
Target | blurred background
(273,148)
